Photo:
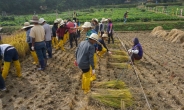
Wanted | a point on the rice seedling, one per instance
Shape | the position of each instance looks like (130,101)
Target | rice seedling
(119,65)
(111,84)
(119,58)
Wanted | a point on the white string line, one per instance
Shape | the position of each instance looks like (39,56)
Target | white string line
(135,73)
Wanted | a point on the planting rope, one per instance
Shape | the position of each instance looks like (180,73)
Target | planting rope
(136,74)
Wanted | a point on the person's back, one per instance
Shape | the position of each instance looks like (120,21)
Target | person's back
(84,51)
(38,33)
(48,32)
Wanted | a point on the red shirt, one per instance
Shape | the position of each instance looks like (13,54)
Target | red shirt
(61,31)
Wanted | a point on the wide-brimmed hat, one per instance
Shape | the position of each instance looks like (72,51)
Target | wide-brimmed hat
(41,20)
(61,23)
(26,25)
(94,36)
(34,19)
(103,20)
(86,25)
(56,21)
(95,19)
(59,20)
(104,35)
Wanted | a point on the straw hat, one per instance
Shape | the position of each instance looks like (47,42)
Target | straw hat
(61,23)
(104,35)
(86,25)
(41,20)
(34,19)
(95,19)
(103,20)
(59,20)
(56,21)
(26,25)
(94,36)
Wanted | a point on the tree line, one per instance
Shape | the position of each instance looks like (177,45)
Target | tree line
(38,6)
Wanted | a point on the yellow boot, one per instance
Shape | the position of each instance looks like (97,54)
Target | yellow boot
(64,38)
(5,69)
(53,43)
(93,76)
(35,58)
(86,82)
(18,68)
(61,45)
(95,60)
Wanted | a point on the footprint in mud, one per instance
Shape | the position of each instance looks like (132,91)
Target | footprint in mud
(10,100)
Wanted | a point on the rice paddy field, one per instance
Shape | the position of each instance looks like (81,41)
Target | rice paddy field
(116,87)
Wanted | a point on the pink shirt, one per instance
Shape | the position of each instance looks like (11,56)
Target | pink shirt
(71,25)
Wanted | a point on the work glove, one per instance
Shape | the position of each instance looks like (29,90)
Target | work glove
(75,63)
(109,32)
(57,38)
(93,71)
(130,50)
(32,48)
(109,52)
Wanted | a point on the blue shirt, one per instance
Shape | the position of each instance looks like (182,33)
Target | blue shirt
(28,38)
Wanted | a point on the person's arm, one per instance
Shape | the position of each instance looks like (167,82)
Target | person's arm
(91,58)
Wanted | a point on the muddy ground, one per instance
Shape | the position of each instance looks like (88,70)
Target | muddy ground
(59,86)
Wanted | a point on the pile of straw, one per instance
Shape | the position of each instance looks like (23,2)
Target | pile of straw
(112,97)
(119,58)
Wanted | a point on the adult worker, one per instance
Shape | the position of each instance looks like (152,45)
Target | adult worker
(87,27)
(84,58)
(102,26)
(38,42)
(136,51)
(102,48)
(27,27)
(72,33)
(54,29)
(2,84)
(125,16)
(8,53)
(60,33)
(110,31)
(48,34)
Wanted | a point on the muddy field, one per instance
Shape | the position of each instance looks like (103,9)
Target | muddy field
(59,86)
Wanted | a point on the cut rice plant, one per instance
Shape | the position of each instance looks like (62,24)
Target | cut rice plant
(119,65)
(119,58)
(119,52)
(114,84)
(112,98)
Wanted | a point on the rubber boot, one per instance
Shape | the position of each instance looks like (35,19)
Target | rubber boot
(86,82)
(18,68)
(53,43)
(101,53)
(6,67)
(64,38)
(61,45)
(95,59)
(35,58)
(2,84)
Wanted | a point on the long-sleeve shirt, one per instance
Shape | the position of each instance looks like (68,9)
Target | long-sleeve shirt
(84,55)
(54,29)
(28,38)
(48,32)
(61,31)
(103,43)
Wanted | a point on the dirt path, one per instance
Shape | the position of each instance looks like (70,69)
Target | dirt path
(59,87)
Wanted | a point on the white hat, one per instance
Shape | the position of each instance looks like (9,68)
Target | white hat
(94,36)
(56,21)
(1,28)
(41,20)
(61,23)
(103,19)
(26,25)
(34,19)
(104,35)
(59,20)
(95,19)
(86,25)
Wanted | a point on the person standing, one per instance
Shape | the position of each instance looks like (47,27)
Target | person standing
(74,16)
(84,59)
(125,16)
(27,27)
(54,29)
(102,26)
(48,34)
(136,51)
(72,33)
(78,30)
(110,31)
(38,42)
(9,53)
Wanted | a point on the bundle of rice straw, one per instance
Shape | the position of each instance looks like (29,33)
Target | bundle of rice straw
(119,58)
(119,52)
(119,65)
(112,97)
(179,38)
(172,34)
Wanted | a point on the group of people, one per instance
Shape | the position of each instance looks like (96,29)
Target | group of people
(41,39)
